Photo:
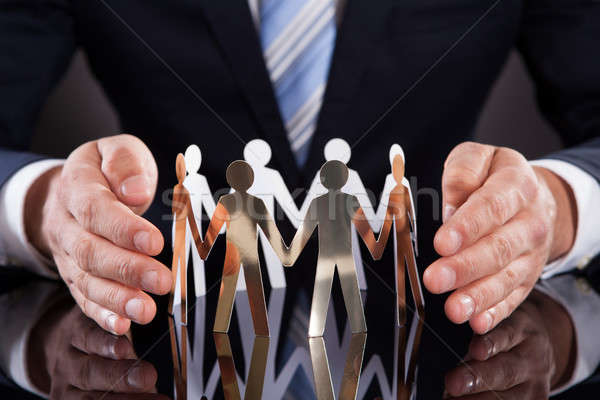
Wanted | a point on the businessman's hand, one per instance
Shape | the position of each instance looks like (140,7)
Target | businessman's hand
(503,221)
(86,217)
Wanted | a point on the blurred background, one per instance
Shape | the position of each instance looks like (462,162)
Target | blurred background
(78,111)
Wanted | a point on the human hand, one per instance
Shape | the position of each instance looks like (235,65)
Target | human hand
(524,357)
(86,216)
(503,221)
(82,361)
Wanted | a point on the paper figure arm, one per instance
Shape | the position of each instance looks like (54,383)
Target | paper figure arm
(310,196)
(302,235)
(410,207)
(383,202)
(269,228)
(363,199)
(220,217)
(285,199)
(375,246)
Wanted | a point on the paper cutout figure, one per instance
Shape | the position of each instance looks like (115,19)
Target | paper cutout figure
(334,213)
(352,368)
(183,216)
(270,187)
(400,210)
(390,183)
(338,149)
(243,214)
(256,371)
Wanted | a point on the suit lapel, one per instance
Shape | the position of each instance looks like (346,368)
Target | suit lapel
(361,30)
(236,34)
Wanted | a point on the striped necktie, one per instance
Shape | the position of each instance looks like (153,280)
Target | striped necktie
(297,38)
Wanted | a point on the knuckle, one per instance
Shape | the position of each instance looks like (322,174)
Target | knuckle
(112,297)
(461,179)
(124,272)
(510,374)
(82,282)
(84,254)
(471,226)
(496,206)
(86,211)
(84,374)
(502,248)
(539,228)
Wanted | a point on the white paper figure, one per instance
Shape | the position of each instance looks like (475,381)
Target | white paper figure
(390,183)
(270,187)
(339,149)
(200,197)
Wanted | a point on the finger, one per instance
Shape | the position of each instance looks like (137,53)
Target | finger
(89,338)
(483,322)
(123,300)
(122,376)
(106,319)
(73,393)
(507,335)
(103,259)
(487,256)
(465,170)
(502,372)
(130,170)
(87,196)
(482,294)
(507,191)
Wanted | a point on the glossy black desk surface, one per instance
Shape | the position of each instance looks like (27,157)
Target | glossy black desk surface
(398,362)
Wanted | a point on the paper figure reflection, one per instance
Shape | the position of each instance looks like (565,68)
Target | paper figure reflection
(243,214)
(334,214)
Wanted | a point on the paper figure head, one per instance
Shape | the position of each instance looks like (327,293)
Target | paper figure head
(180,167)
(193,159)
(334,174)
(398,168)
(257,152)
(337,149)
(396,149)
(240,175)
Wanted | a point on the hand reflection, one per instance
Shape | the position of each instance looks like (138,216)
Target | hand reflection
(77,359)
(522,358)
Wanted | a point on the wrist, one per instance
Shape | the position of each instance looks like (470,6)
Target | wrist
(565,223)
(37,207)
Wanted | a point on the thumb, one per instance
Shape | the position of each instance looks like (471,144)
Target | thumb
(130,170)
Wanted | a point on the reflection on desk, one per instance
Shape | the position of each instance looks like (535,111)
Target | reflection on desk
(50,349)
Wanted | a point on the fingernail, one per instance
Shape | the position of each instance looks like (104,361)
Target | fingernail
(468,382)
(135,378)
(454,240)
(135,185)
(150,280)
(142,242)
(467,306)
(111,322)
(448,212)
(135,308)
(447,278)
(490,347)
(488,320)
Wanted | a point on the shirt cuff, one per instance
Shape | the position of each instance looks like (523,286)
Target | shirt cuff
(15,248)
(587,197)
(582,304)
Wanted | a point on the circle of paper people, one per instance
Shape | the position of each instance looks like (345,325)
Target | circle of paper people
(245,216)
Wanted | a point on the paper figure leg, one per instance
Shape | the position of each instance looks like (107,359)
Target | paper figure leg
(274,266)
(321,373)
(256,374)
(178,270)
(256,295)
(352,298)
(231,271)
(320,300)
(197,263)
(229,379)
(358,261)
(413,276)
(400,279)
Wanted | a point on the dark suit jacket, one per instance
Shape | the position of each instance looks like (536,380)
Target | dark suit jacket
(415,72)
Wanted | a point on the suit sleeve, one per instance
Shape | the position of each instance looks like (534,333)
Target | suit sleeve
(559,41)
(37,42)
